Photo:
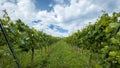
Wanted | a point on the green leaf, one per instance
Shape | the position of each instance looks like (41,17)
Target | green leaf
(118,33)
(108,29)
(114,25)
(114,41)
(27,38)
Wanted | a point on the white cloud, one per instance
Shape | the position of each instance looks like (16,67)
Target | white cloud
(72,17)
(24,9)
(75,10)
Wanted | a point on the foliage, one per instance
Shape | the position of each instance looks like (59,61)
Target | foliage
(102,38)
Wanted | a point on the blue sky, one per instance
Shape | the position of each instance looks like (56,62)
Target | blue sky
(43,4)
(58,17)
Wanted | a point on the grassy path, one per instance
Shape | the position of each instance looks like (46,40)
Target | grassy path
(63,55)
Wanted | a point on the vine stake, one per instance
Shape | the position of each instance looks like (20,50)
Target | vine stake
(9,45)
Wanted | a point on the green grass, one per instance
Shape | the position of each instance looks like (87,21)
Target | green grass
(58,55)
(66,56)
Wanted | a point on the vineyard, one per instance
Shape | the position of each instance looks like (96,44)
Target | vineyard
(95,46)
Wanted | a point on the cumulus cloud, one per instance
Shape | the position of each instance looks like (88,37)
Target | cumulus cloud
(24,9)
(70,17)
